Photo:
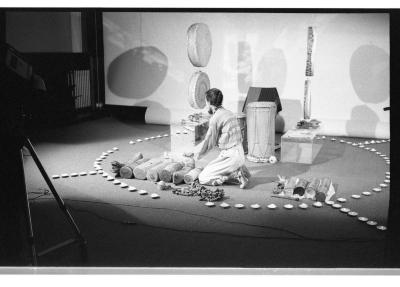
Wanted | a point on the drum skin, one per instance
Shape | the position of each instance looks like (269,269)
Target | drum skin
(198,86)
(260,130)
(199,44)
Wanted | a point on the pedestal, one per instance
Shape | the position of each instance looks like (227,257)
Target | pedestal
(299,146)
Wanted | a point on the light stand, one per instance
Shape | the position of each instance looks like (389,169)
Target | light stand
(17,82)
(38,84)
(78,239)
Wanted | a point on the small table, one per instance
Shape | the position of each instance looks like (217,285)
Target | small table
(299,146)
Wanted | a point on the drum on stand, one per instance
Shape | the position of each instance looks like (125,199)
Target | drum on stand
(241,117)
(261,130)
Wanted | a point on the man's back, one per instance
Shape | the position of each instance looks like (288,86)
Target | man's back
(229,133)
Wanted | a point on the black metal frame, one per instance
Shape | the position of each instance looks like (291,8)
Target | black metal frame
(31,238)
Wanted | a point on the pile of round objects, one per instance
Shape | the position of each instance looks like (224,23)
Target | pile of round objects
(196,189)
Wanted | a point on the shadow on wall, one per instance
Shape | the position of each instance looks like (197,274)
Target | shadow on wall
(369,72)
(272,70)
(363,122)
(138,72)
(292,112)
(155,113)
(244,67)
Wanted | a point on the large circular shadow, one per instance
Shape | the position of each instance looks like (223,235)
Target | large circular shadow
(363,122)
(138,72)
(369,72)
(156,113)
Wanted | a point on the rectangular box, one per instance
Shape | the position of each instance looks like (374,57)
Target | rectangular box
(300,146)
(186,135)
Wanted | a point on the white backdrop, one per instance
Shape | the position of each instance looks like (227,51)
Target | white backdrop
(146,64)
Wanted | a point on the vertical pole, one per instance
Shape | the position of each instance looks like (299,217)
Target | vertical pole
(58,199)
(31,237)
(311,42)
(307,99)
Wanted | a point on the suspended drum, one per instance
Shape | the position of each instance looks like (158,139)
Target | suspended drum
(198,86)
(199,44)
(241,117)
(261,130)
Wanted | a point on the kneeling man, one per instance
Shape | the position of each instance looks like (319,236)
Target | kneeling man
(224,132)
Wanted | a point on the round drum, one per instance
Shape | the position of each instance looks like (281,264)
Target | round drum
(198,86)
(241,117)
(199,44)
(261,130)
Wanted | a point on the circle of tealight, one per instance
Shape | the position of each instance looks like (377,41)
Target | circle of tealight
(103,156)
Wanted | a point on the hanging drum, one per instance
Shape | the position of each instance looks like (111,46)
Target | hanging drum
(199,44)
(260,130)
(198,86)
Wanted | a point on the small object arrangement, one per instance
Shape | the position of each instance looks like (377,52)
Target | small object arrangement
(196,117)
(185,191)
(308,124)
(318,189)
(175,169)
(196,189)
(271,159)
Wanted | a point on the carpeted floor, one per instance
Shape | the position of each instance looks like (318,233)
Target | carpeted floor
(125,228)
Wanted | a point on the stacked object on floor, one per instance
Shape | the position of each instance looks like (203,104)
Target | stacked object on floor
(154,172)
(127,170)
(140,171)
(178,176)
(323,189)
(192,175)
(117,166)
(300,187)
(312,188)
(168,171)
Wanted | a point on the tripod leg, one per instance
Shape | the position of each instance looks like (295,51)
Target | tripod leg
(31,237)
(60,202)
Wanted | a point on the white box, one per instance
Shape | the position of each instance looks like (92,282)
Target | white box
(300,146)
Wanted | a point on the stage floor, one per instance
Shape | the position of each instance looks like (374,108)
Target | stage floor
(125,228)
